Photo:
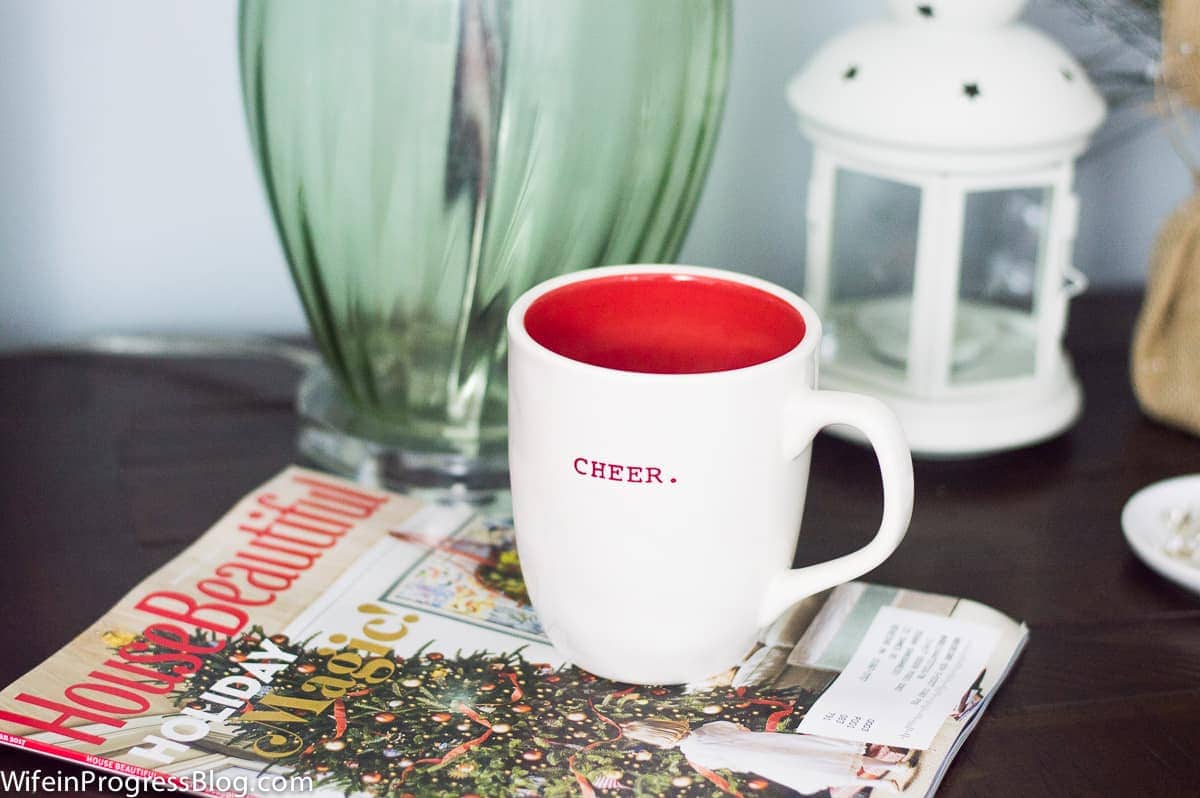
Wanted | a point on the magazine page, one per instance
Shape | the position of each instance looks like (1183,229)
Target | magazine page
(323,637)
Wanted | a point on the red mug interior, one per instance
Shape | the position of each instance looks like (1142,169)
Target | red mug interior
(664,323)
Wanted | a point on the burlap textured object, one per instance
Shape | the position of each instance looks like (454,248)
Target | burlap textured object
(1181,49)
(1166,345)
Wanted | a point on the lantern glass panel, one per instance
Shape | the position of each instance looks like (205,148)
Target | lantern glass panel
(1003,258)
(873,257)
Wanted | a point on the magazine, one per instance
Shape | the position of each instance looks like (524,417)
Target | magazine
(325,637)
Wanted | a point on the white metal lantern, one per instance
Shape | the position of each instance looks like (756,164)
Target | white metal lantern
(941,219)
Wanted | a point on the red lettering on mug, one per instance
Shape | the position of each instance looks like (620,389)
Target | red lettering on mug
(615,472)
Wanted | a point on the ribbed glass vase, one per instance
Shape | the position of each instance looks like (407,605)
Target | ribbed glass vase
(429,160)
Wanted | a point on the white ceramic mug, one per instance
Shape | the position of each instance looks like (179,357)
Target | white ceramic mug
(660,429)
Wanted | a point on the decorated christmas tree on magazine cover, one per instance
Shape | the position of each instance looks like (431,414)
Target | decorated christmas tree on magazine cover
(489,724)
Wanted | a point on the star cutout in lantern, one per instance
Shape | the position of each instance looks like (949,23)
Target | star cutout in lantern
(925,11)
(971,90)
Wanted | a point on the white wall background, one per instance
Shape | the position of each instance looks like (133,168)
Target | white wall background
(129,200)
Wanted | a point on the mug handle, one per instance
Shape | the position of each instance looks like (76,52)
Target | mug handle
(804,417)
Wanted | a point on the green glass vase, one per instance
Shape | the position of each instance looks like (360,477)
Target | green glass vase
(429,160)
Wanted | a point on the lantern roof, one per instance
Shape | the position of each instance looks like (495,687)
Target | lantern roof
(948,76)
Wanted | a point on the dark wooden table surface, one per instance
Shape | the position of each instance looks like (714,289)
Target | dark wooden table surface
(109,466)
